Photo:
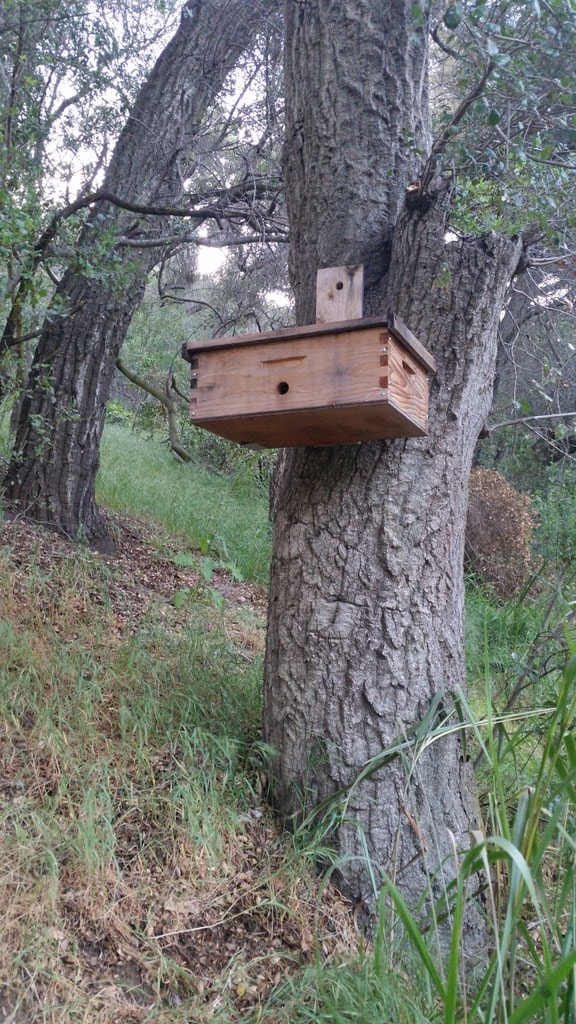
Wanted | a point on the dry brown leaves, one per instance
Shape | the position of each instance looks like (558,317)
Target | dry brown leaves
(499,529)
(141,570)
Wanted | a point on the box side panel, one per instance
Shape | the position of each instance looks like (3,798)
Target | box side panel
(407,383)
(279,376)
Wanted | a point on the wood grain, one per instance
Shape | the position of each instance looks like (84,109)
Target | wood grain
(358,384)
(339,294)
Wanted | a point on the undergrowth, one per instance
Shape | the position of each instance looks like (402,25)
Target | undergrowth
(222,515)
(143,876)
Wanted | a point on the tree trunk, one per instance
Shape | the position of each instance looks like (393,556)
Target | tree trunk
(357,123)
(52,474)
(366,604)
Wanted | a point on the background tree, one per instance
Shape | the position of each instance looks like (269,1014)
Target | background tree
(168,136)
(365,633)
(511,141)
(68,73)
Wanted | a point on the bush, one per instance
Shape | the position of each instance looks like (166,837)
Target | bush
(499,529)
(556,508)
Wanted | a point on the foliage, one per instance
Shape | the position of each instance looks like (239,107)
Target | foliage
(507,112)
(222,456)
(501,638)
(481,203)
(556,509)
(182,305)
(511,452)
(69,73)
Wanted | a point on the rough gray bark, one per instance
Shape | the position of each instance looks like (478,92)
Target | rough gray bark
(357,124)
(52,474)
(366,603)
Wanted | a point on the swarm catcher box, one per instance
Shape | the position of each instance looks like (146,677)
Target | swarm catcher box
(336,382)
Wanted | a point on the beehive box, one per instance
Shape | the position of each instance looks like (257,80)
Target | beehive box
(338,382)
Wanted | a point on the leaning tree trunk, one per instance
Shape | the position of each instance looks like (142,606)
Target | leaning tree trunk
(52,474)
(366,605)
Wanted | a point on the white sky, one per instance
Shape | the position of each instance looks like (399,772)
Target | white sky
(209,260)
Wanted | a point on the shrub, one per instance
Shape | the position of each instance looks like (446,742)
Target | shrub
(499,528)
(556,508)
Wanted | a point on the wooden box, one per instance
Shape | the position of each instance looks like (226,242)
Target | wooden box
(327,383)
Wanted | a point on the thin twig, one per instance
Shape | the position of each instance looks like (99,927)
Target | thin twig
(528,419)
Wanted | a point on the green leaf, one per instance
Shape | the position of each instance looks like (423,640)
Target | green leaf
(185,560)
(217,599)
(453,16)
(207,568)
(532,1008)
(414,932)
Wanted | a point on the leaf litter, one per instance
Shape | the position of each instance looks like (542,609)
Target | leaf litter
(164,928)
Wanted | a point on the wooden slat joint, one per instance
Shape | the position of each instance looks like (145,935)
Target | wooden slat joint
(401,331)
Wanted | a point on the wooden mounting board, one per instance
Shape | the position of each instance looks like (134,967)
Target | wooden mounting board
(339,294)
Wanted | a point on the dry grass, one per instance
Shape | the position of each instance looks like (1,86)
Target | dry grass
(143,877)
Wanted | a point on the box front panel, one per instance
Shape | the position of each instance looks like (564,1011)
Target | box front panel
(280,376)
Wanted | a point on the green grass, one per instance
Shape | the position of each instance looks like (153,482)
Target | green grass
(130,813)
(133,834)
(525,859)
(222,516)
(359,992)
(104,709)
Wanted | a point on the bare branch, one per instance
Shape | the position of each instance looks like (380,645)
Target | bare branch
(191,238)
(488,430)
(166,401)
(444,46)
(461,111)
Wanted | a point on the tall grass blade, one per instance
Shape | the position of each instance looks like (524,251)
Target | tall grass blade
(453,966)
(541,1004)
(414,933)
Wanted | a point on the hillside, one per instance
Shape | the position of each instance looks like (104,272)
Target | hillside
(146,878)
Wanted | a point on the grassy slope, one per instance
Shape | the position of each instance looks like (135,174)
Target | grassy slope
(221,515)
(144,880)
(144,877)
